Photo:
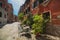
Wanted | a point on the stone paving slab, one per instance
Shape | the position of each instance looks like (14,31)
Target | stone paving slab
(9,32)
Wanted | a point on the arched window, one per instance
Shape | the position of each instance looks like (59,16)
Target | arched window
(0,14)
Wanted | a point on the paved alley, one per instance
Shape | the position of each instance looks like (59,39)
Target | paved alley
(11,32)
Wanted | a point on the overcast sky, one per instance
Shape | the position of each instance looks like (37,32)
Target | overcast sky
(16,5)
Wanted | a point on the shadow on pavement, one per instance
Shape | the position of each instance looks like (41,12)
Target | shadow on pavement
(27,35)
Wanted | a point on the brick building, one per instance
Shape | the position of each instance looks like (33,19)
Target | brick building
(36,6)
(10,16)
(30,6)
(6,12)
(15,18)
(52,8)
(49,8)
(10,13)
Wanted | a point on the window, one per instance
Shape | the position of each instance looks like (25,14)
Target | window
(6,9)
(5,16)
(46,15)
(0,22)
(44,2)
(35,4)
(0,14)
(0,4)
(27,1)
(7,13)
(28,9)
(41,1)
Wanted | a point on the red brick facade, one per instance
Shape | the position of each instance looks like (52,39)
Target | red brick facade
(53,7)
(9,9)
(10,12)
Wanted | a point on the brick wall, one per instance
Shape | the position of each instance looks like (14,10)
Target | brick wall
(10,12)
(54,8)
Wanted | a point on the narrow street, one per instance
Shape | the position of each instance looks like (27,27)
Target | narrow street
(11,32)
(29,19)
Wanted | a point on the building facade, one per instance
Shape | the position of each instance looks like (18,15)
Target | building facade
(49,8)
(10,13)
(3,13)
(15,18)
(6,12)
(53,7)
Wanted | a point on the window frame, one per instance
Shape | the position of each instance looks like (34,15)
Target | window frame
(1,4)
(0,14)
(35,4)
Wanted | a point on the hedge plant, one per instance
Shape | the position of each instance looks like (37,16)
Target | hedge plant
(38,24)
(28,20)
(20,16)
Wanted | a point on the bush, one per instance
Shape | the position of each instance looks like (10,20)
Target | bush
(21,15)
(38,24)
(28,20)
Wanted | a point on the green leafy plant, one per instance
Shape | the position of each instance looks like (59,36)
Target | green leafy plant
(38,24)
(21,15)
(28,20)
